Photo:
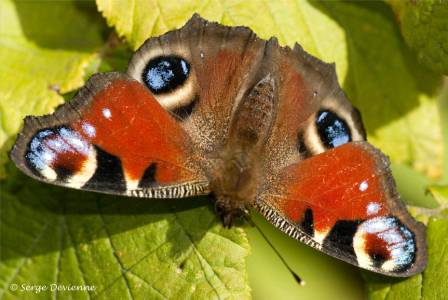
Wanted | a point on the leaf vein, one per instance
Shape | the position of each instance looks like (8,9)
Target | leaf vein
(25,259)
(114,251)
(72,242)
(200,257)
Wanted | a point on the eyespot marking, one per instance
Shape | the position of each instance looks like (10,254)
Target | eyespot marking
(57,153)
(164,74)
(385,243)
(333,130)
(301,146)
(183,112)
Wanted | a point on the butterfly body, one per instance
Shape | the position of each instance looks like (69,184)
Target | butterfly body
(215,110)
(235,178)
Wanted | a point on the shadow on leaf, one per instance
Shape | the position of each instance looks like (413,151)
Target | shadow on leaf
(38,28)
(384,79)
(87,216)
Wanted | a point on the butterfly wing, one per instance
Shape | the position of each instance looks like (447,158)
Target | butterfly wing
(305,88)
(112,137)
(344,203)
(323,184)
(218,64)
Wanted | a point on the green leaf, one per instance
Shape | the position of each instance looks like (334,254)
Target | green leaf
(435,276)
(397,98)
(443,107)
(413,186)
(440,193)
(144,249)
(44,50)
(424,25)
(324,277)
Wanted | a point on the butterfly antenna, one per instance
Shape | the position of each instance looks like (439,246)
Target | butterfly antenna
(294,274)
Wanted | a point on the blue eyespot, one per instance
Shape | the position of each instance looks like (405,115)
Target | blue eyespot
(333,131)
(164,74)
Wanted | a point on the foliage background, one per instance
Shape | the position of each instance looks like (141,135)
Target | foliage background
(390,58)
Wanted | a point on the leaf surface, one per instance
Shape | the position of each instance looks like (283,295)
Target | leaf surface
(44,49)
(144,249)
(424,25)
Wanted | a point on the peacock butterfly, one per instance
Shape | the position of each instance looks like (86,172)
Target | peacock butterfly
(215,110)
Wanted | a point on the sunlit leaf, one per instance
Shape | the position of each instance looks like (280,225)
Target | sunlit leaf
(44,48)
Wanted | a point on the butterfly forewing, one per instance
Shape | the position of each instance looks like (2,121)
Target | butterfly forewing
(113,137)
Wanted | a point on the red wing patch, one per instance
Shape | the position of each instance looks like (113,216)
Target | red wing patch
(112,137)
(126,121)
(342,184)
(343,200)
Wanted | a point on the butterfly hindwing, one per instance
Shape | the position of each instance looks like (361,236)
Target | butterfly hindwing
(344,202)
(113,137)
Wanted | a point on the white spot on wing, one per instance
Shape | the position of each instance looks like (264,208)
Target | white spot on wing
(107,113)
(131,184)
(373,208)
(89,129)
(399,241)
(363,186)
(49,173)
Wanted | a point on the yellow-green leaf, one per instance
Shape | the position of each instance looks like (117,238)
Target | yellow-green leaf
(440,193)
(43,52)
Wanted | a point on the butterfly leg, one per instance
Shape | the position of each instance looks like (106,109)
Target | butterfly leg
(227,213)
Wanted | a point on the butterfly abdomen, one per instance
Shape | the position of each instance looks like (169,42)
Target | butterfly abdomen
(233,182)
(235,176)
(254,115)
